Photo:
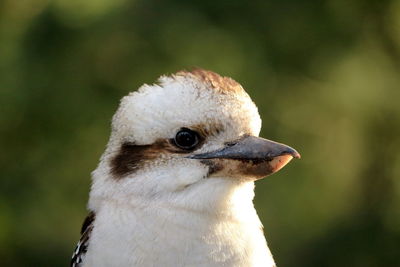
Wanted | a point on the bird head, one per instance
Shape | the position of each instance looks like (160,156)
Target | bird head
(192,135)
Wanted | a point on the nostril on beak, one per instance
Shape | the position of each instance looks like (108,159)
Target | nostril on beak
(229,144)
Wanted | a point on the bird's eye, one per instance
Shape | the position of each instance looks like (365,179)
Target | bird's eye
(186,139)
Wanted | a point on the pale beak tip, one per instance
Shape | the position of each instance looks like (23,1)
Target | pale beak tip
(292,152)
(296,155)
(279,162)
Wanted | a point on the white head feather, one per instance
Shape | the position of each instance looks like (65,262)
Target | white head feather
(157,112)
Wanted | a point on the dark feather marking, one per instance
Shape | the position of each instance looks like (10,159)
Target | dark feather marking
(213,166)
(206,130)
(82,246)
(128,159)
(132,157)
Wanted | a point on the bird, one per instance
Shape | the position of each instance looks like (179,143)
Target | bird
(175,185)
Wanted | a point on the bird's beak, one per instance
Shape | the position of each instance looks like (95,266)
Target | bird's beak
(250,156)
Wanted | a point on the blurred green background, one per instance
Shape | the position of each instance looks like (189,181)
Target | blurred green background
(325,75)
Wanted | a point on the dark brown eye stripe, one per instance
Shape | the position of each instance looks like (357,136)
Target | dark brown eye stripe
(132,157)
(129,159)
(208,130)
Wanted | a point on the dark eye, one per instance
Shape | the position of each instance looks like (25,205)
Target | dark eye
(186,139)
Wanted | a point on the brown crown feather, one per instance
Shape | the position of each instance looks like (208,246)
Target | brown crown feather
(224,85)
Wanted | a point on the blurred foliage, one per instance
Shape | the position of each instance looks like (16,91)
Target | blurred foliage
(324,73)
